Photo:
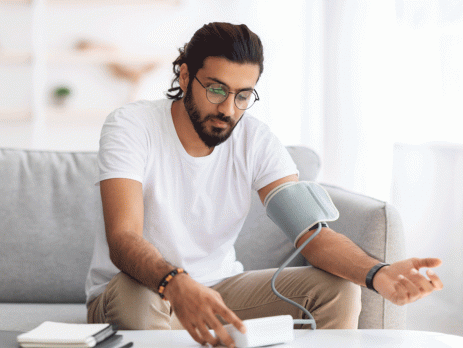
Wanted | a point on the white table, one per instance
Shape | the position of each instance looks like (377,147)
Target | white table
(313,339)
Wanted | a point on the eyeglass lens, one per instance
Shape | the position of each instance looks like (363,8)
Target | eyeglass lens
(217,93)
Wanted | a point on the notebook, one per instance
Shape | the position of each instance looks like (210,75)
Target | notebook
(53,334)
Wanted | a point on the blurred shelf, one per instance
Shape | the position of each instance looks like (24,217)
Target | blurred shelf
(39,59)
(82,117)
(16,1)
(98,2)
(101,57)
(58,116)
(15,115)
(76,57)
(14,57)
(112,2)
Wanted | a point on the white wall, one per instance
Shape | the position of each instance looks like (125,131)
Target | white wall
(144,29)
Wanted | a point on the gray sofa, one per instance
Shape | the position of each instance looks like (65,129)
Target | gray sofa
(50,209)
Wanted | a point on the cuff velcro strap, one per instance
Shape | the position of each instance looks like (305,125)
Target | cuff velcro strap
(371,274)
(167,279)
(314,227)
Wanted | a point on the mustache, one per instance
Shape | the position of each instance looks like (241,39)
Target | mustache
(220,117)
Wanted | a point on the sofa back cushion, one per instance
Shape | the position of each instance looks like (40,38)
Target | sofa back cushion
(49,211)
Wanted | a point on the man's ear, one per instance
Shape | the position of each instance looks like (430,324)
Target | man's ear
(184,77)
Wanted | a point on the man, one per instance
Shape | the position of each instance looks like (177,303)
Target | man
(176,178)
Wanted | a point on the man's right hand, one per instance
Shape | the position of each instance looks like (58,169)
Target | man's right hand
(197,307)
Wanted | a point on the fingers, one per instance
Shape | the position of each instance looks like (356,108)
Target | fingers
(201,334)
(191,328)
(416,286)
(222,334)
(207,320)
(231,318)
(435,281)
(423,284)
(431,284)
(409,292)
(429,262)
(207,336)
(402,282)
(197,308)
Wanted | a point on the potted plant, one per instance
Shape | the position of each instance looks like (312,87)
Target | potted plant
(60,95)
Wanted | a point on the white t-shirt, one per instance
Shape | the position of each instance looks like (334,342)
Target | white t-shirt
(194,207)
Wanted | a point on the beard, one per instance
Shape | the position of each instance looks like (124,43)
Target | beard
(215,136)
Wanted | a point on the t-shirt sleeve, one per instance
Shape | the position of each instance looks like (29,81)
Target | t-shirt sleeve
(272,160)
(123,147)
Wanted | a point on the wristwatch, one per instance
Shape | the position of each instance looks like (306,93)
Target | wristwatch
(371,274)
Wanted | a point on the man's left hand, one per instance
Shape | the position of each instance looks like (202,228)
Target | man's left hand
(402,283)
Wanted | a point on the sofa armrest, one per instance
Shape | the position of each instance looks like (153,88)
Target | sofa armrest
(377,228)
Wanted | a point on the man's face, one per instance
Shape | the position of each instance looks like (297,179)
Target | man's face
(214,123)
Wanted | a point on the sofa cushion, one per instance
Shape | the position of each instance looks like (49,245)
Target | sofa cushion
(26,316)
(49,211)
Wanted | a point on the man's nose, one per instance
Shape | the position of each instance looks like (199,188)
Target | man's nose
(227,107)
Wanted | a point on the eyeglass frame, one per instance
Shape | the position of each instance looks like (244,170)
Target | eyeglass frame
(229,92)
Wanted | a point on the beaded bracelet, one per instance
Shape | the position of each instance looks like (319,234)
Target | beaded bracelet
(167,279)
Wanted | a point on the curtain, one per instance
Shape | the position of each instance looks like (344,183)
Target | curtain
(360,63)
(392,82)
(428,191)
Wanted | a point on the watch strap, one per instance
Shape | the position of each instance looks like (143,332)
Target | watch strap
(371,274)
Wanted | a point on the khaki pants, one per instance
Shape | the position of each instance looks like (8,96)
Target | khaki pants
(333,302)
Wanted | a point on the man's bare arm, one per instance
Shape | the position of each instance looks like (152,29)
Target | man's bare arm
(338,255)
(129,251)
(401,283)
(195,305)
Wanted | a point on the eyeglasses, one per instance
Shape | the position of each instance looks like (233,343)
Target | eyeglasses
(217,93)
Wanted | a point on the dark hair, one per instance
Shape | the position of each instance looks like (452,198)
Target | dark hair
(234,42)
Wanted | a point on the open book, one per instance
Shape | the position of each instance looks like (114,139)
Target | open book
(52,334)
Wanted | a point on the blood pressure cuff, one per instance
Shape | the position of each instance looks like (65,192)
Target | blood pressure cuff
(295,207)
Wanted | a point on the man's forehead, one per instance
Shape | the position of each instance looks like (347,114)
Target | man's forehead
(233,74)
